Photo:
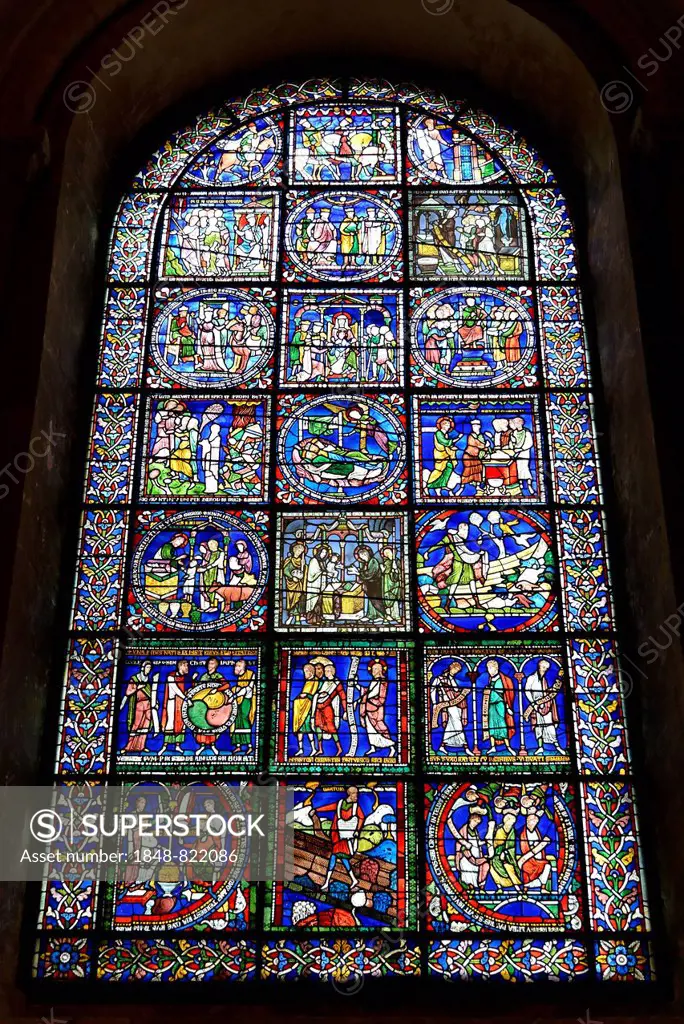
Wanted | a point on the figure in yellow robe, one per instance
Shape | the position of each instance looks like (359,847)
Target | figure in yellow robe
(302,711)
(443,455)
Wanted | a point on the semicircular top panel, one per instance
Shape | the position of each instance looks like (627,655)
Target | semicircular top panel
(240,142)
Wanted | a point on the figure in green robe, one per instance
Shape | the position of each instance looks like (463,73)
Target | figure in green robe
(296,349)
(504,863)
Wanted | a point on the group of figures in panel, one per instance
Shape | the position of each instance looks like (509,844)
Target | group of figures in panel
(342,706)
(185,702)
(460,337)
(333,144)
(473,337)
(340,337)
(210,338)
(501,709)
(231,236)
(488,569)
(201,447)
(352,845)
(195,886)
(342,572)
(333,235)
(199,571)
(502,855)
(467,448)
(337,448)
(474,234)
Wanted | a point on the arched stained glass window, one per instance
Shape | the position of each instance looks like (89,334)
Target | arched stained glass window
(343,524)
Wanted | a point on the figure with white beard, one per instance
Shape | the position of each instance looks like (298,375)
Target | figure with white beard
(372,710)
(542,710)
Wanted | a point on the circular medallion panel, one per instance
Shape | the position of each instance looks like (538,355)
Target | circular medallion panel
(340,448)
(199,572)
(504,855)
(473,337)
(213,338)
(336,235)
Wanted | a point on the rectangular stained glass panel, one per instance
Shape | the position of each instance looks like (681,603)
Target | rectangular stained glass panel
(327,873)
(359,145)
(201,571)
(343,235)
(629,961)
(600,689)
(344,707)
(200,448)
(584,570)
(86,715)
(496,706)
(189,708)
(555,246)
(469,448)
(62,958)
(68,905)
(342,338)
(473,337)
(130,251)
(342,572)
(564,344)
(614,873)
(176,960)
(342,962)
(502,856)
(221,235)
(573,448)
(476,235)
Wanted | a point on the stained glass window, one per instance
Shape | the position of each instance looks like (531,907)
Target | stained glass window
(343,526)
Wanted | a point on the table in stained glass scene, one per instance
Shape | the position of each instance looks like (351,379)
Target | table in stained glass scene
(343,524)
